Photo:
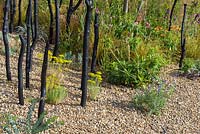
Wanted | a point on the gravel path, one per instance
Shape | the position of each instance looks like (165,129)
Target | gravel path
(112,113)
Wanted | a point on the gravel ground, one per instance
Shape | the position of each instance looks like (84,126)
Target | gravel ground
(112,113)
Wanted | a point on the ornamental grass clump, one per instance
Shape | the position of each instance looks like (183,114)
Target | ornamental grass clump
(153,99)
(94,85)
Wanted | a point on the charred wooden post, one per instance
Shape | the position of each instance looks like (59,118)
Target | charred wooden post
(55,51)
(183,40)
(90,5)
(43,80)
(28,25)
(5,39)
(125,7)
(70,11)
(51,22)
(20,71)
(96,40)
(61,1)
(32,27)
(35,37)
(19,13)
(12,15)
(171,15)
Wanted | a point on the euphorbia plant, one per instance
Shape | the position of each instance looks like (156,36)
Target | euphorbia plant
(94,85)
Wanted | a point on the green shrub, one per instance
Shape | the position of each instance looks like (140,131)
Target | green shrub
(152,100)
(190,66)
(140,71)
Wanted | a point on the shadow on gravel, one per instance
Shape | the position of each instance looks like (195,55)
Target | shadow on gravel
(125,105)
(190,76)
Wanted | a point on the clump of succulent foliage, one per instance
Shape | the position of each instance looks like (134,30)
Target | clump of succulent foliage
(153,98)
(13,125)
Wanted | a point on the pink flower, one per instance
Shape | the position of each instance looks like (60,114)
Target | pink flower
(148,25)
(136,23)
(97,10)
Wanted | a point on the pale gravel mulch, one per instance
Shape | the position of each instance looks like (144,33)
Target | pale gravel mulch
(112,113)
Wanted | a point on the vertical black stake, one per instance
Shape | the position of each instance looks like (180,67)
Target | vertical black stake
(89,4)
(183,40)
(35,37)
(43,80)
(55,51)
(69,14)
(96,40)
(5,39)
(125,7)
(51,22)
(19,13)
(61,1)
(20,71)
(171,15)
(28,25)
(32,27)
(12,15)
(70,11)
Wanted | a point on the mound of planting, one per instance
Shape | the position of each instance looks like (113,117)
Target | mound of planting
(112,111)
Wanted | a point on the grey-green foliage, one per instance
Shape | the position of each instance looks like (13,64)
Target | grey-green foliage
(153,99)
(13,125)
(14,47)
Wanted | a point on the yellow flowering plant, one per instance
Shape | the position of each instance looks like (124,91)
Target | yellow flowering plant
(94,84)
(55,93)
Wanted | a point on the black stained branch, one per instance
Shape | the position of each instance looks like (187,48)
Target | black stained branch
(35,37)
(171,15)
(70,11)
(5,39)
(43,81)
(89,4)
(51,22)
(57,39)
(28,25)
(183,39)
(20,71)
(96,41)
(19,13)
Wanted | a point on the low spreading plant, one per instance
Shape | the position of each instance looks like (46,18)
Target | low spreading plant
(153,99)
(191,66)
(94,85)
(13,125)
